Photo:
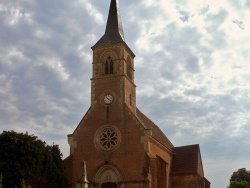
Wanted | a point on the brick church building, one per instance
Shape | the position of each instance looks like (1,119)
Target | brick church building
(115,145)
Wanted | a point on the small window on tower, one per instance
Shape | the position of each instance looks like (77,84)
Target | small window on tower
(109,66)
(129,68)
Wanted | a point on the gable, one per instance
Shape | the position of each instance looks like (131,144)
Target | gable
(200,166)
(187,160)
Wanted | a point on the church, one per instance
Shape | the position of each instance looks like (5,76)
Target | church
(115,145)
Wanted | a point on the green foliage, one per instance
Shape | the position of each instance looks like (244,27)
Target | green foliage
(240,179)
(1,181)
(241,175)
(239,184)
(27,161)
(24,184)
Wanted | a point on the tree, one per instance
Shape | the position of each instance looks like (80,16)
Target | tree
(27,161)
(239,184)
(240,179)
(1,180)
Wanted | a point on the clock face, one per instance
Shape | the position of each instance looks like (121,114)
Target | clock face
(108,99)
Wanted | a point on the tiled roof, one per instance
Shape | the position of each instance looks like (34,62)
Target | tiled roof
(185,160)
(158,135)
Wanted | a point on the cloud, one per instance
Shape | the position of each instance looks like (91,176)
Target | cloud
(191,71)
(240,24)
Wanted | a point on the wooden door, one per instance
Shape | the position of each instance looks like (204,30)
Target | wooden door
(109,185)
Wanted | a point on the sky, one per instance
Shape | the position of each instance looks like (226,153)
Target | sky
(192,71)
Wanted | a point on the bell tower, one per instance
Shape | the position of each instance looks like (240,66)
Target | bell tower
(113,65)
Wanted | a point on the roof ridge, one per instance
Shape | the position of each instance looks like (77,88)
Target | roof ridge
(188,146)
(157,132)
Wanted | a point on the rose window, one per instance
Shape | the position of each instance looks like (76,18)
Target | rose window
(107,138)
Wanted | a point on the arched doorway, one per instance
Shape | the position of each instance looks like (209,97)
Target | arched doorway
(109,185)
(108,177)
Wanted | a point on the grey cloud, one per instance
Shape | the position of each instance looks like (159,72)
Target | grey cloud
(28,78)
(240,5)
(184,15)
(192,64)
(204,10)
(213,24)
(240,24)
(215,20)
(247,4)
(179,47)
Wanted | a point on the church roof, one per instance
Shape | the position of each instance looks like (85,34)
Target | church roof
(185,160)
(114,30)
(157,134)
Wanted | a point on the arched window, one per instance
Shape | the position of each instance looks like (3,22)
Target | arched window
(109,66)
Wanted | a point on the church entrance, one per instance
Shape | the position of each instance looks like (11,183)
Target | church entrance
(109,185)
(107,177)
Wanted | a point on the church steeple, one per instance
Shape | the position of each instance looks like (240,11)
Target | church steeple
(114,30)
(113,64)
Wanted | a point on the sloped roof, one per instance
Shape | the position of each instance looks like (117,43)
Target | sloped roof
(185,160)
(207,183)
(158,135)
(114,30)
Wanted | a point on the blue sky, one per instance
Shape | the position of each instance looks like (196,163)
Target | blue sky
(192,71)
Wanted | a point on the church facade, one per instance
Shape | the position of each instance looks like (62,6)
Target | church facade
(115,145)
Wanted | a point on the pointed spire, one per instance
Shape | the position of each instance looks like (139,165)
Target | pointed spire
(114,31)
(114,23)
